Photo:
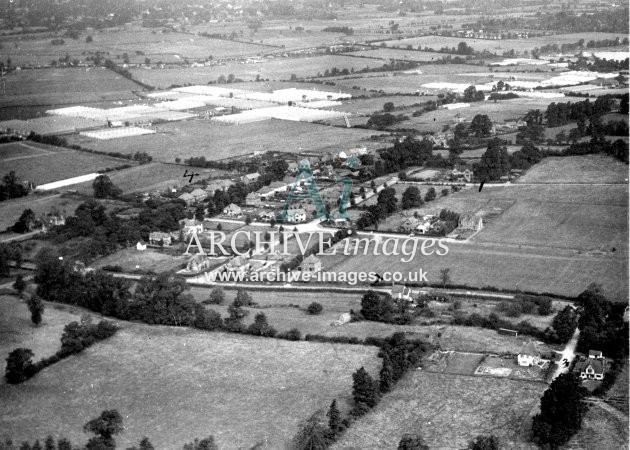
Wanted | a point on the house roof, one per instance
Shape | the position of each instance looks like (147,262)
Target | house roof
(190,222)
(186,196)
(198,193)
(529,349)
(277,184)
(398,289)
(293,212)
(595,354)
(252,176)
(233,207)
(311,259)
(584,363)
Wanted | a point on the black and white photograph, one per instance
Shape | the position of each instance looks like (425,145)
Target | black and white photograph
(314,224)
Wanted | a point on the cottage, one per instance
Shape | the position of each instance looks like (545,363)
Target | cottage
(343,319)
(232,210)
(250,177)
(187,198)
(198,263)
(141,246)
(590,368)
(529,355)
(267,216)
(296,215)
(252,199)
(595,354)
(237,264)
(190,225)
(409,224)
(160,238)
(401,292)
(424,227)
(199,195)
(293,167)
(213,187)
(311,264)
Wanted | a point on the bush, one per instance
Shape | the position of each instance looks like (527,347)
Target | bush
(315,308)
(291,335)
(217,297)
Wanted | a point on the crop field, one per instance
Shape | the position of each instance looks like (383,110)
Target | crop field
(53,163)
(138,44)
(193,391)
(67,85)
(499,46)
(431,404)
(17,329)
(375,104)
(400,54)
(214,141)
(278,68)
(131,259)
(595,169)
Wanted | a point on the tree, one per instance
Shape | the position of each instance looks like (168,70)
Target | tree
(19,366)
(481,125)
(388,107)
(104,427)
(26,222)
(481,442)
(261,327)
(311,435)
(412,442)
(411,198)
(387,200)
(242,298)
(561,411)
(363,389)
(19,285)
(217,296)
(200,212)
(334,418)
(386,379)
(430,195)
(494,163)
(315,308)
(36,307)
(564,323)
(460,132)
(445,276)
(472,95)
(203,444)
(104,188)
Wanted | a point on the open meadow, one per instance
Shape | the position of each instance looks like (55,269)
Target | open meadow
(176,384)
(215,141)
(62,86)
(448,411)
(601,429)
(17,330)
(44,163)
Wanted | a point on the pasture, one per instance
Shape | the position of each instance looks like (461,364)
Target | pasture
(17,330)
(276,68)
(214,141)
(499,46)
(431,404)
(44,163)
(131,259)
(40,204)
(192,391)
(65,85)
(600,429)
(399,54)
(587,169)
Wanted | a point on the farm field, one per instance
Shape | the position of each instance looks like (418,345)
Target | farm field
(594,169)
(153,176)
(18,331)
(64,86)
(278,68)
(500,46)
(431,404)
(138,43)
(375,104)
(40,204)
(600,429)
(44,163)
(400,54)
(193,391)
(202,138)
(148,260)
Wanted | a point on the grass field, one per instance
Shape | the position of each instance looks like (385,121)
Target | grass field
(40,204)
(600,429)
(375,104)
(215,141)
(448,411)
(400,54)
(148,260)
(499,46)
(278,68)
(176,384)
(577,169)
(65,85)
(44,164)
(17,330)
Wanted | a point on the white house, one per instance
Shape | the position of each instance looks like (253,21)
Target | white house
(190,225)
(141,246)
(590,368)
(311,264)
(232,210)
(529,355)
(296,215)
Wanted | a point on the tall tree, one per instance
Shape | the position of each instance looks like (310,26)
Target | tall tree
(104,188)
(105,426)
(412,441)
(334,418)
(36,308)
(494,163)
(312,434)
(411,198)
(481,125)
(19,365)
(363,389)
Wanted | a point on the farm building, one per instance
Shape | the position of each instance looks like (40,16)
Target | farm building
(529,355)
(252,199)
(296,215)
(470,222)
(199,194)
(237,264)
(198,263)
(311,264)
(191,225)
(409,224)
(187,198)
(401,292)
(141,246)
(250,177)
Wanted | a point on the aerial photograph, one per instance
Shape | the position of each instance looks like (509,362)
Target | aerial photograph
(314,224)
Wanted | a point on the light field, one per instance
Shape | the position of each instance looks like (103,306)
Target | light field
(240,389)
(432,404)
(214,141)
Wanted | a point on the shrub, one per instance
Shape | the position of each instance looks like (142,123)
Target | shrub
(315,308)
(291,335)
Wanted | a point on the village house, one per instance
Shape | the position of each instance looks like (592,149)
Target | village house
(311,264)
(187,198)
(237,264)
(250,178)
(591,368)
(267,216)
(141,246)
(252,199)
(52,221)
(293,167)
(190,225)
(296,215)
(199,195)
(198,263)
(409,224)
(232,210)
(401,292)
(529,355)
(463,173)
(160,238)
